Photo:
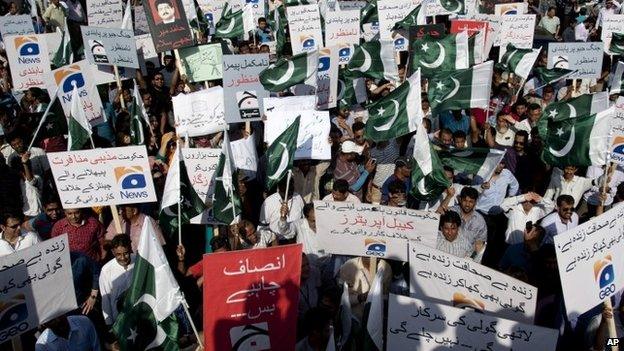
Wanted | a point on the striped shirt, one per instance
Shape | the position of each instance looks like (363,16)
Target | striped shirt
(460,247)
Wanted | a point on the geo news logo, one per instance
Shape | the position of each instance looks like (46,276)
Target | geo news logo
(132,182)
(13,316)
(605,277)
(400,44)
(27,49)
(375,247)
(307,42)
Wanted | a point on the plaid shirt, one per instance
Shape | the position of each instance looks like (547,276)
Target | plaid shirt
(86,238)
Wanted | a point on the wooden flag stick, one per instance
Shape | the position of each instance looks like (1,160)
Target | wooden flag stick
(188,314)
(611,323)
(120,91)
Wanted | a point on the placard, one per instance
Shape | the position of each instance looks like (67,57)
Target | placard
(242,87)
(327,78)
(514,8)
(104,13)
(110,47)
(168,25)
(313,137)
(212,10)
(140,21)
(590,261)
(16,25)
(145,45)
(611,23)
(200,112)
(342,27)
(584,58)
(53,41)
(304,24)
(201,63)
(245,155)
(289,103)
(474,27)
(390,12)
(372,230)
(254,304)
(201,164)
(106,74)
(617,144)
(423,325)
(450,280)
(102,177)
(29,61)
(37,286)
(517,30)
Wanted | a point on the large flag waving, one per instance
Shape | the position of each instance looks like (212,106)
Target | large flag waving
(226,205)
(283,74)
(396,114)
(548,76)
(518,61)
(467,88)
(478,161)
(64,54)
(617,44)
(435,55)
(281,154)
(414,18)
(277,21)
(138,118)
(368,13)
(428,179)
(126,21)
(78,126)
(231,23)
(373,314)
(146,320)
(374,59)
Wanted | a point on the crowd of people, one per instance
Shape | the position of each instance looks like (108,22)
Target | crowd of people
(507,222)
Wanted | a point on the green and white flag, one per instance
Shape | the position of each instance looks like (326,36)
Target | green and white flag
(285,73)
(345,316)
(281,154)
(548,76)
(138,118)
(146,320)
(467,88)
(374,59)
(126,21)
(584,105)
(617,44)
(372,317)
(428,179)
(178,192)
(581,141)
(476,45)
(414,18)
(78,126)
(435,55)
(518,61)
(452,6)
(226,202)
(478,161)
(277,21)
(64,54)
(617,83)
(368,13)
(396,114)
(199,22)
(231,23)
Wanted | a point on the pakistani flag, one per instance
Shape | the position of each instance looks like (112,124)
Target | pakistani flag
(617,83)
(452,6)
(518,61)
(64,54)
(199,22)
(345,316)
(78,126)
(374,59)
(226,204)
(428,177)
(396,114)
(285,73)
(231,24)
(586,104)
(548,76)
(581,141)
(617,44)
(53,122)
(138,118)
(478,161)
(414,18)
(146,320)
(435,55)
(277,21)
(476,47)
(368,13)
(178,193)
(281,154)
(126,21)
(373,314)
(467,88)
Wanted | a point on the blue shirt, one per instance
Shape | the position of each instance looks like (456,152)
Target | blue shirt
(385,193)
(82,337)
(490,200)
(448,121)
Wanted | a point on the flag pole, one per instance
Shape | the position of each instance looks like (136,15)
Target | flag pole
(118,81)
(188,315)
(45,113)
(180,190)
(287,185)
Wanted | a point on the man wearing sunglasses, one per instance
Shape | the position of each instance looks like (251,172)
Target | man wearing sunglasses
(12,237)
(561,220)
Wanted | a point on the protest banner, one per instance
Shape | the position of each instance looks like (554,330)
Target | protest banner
(168,24)
(140,21)
(494,28)
(342,27)
(327,78)
(313,137)
(513,8)
(370,30)
(617,143)
(590,261)
(53,40)
(201,164)
(474,27)
(450,280)
(372,230)
(517,30)
(104,13)
(304,24)
(254,304)
(78,74)
(110,47)
(199,113)
(242,87)
(201,63)
(245,155)
(102,177)
(432,30)
(489,6)
(426,326)
(584,58)
(350,5)
(390,12)
(433,8)
(29,61)
(257,8)
(212,10)
(37,286)
(145,45)
(289,103)
(16,25)
(611,23)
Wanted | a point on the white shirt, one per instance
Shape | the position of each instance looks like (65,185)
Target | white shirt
(580,32)
(553,226)
(575,187)
(31,196)
(350,198)
(270,213)
(24,240)
(306,236)
(518,218)
(114,281)
(594,172)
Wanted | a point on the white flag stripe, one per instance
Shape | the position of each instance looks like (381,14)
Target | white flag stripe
(599,143)
(491,161)
(374,324)
(481,85)
(600,102)
(462,60)
(414,107)
(616,82)
(387,55)
(526,63)
(171,193)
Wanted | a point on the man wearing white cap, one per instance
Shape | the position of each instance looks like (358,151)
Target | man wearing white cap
(347,167)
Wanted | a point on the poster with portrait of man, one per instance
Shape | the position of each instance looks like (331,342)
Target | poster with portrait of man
(168,24)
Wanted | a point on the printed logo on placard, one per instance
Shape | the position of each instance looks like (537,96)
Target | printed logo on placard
(27,50)
(605,277)
(98,51)
(67,78)
(248,104)
(250,337)
(344,54)
(13,317)
(131,181)
(307,42)
(510,10)
(462,301)
(561,61)
(617,154)
(324,60)
(400,44)
(375,247)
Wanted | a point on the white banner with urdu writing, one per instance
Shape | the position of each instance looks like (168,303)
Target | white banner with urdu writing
(199,113)
(313,137)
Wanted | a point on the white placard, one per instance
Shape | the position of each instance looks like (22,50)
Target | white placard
(426,326)
(450,280)
(289,103)
(517,30)
(513,8)
(36,285)
(110,47)
(617,125)
(201,164)
(243,90)
(106,74)
(351,5)
(584,58)
(29,61)
(611,23)
(200,112)
(53,41)
(104,13)
(140,21)
(16,25)
(145,45)
(245,155)
(327,78)
(304,23)
(313,137)
(102,177)
(376,231)
(342,27)
(392,11)
(590,261)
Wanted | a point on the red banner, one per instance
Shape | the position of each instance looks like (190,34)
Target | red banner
(250,299)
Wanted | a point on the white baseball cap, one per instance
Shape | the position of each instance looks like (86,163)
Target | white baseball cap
(349,146)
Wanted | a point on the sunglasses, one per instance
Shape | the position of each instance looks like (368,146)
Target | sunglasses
(567,209)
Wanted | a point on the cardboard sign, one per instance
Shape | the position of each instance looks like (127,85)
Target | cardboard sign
(245,155)
(313,137)
(342,27)
(611,23)
(53,41)
(29,61)
(104,13)
(168,24)
(617,144)
(201,164)
(304,24)
(102,177)
(517,30)
(200,112)
(140,21)
(585,58)
(110,47)
(327,78)
(16,25)
(289,103)
(201,63)
(390,12)
(242,87)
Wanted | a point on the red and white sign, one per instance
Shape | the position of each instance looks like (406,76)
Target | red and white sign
(473,27)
